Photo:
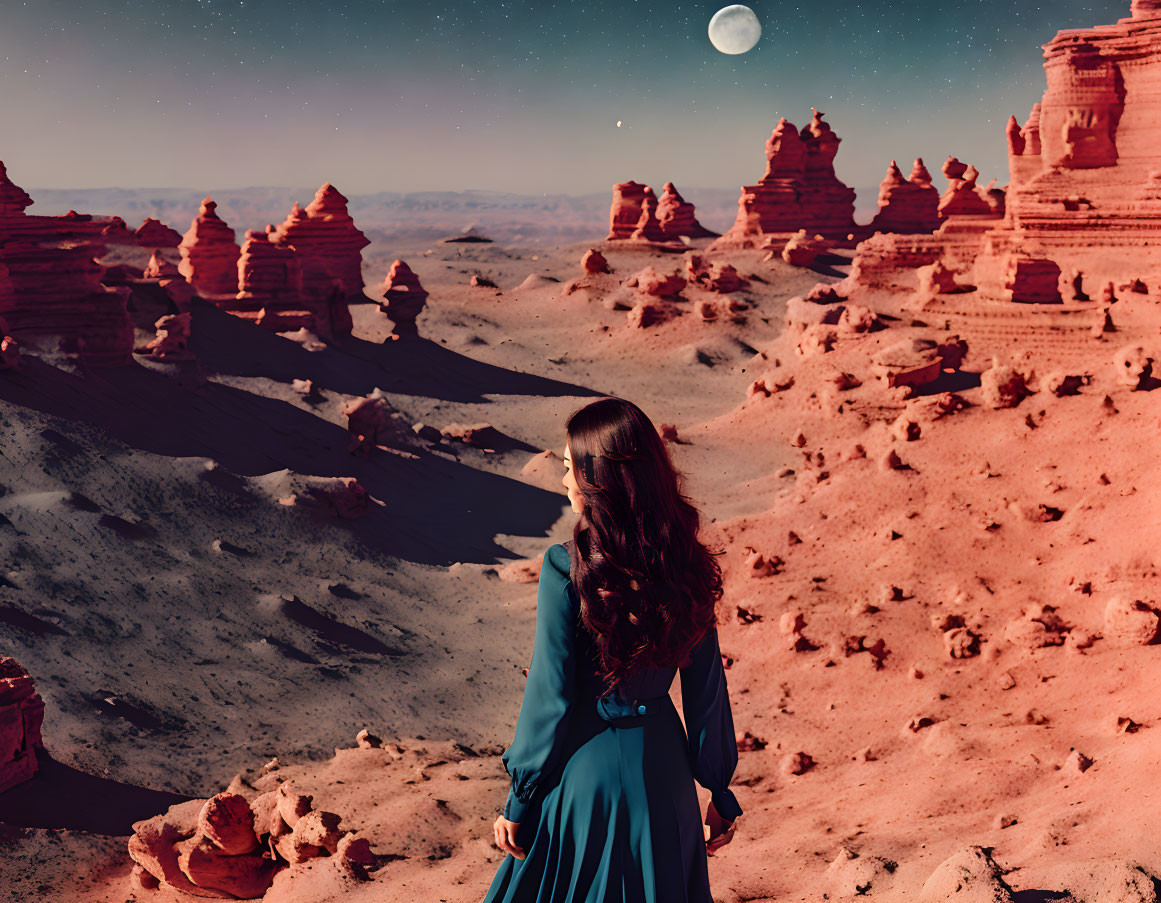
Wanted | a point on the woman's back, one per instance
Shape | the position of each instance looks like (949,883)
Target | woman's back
(603,784)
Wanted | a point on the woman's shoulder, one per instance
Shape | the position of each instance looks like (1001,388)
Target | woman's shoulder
(557,555)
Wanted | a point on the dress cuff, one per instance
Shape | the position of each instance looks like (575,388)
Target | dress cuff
(726,804)
(514,809)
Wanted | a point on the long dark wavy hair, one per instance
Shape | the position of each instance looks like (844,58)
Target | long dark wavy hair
(636,527)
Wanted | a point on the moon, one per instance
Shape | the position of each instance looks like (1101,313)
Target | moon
(734,29)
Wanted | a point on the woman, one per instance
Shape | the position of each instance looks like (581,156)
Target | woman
(602,805)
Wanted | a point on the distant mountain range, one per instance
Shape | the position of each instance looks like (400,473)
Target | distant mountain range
(527,219)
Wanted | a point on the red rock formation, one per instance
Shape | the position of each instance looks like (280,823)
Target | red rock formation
(677,218)
(155,234)
(625,213)
(1085,190)
(907,205)
(1032,280)
(725,279)
(1082,190)
(327,241)
(53,286)
(209,254)
(270,291)
(232,845)
(648,228)
(828,203)
(403,296)
(594,262)
(370,421)
(802,249)
(21,713)
(160,268)
(798,190)
(13,198)
(963,197)
(172,339)
(266,272)
(649,282)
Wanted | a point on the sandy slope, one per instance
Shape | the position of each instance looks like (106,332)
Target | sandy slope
(121,595)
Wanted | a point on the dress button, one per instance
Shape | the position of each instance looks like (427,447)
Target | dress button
(640,710)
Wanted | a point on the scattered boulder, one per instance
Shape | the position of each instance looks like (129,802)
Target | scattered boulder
(969,876)
(594,262)
(1131,622)
(851,874)
(797,763)
(647,312)
(1039,626)
(1003,386)
(1061,383)
(649,282)
(371,421)
(1133,366)
(757,565)
(172,340)
(801,251)
(480,435)
(231,847)
(343,497)
(1106,881)
(1077,762)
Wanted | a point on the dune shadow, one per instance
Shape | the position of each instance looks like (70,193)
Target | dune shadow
(22,620)
(59,796)
(334,632)
(436,510)
(411,365)
(1039,896)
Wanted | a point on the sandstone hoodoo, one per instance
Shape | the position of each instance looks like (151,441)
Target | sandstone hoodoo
(21,713)
(270,285)
(328,242)
(648,228)
(594,263)
(799,189)
(209,254)
(907,204)
(403,297)
(626,210)
(677,218)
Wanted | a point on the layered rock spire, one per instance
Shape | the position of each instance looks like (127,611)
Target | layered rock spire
(209,253)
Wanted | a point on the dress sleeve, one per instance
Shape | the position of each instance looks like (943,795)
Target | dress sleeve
(548,694)
(705,702)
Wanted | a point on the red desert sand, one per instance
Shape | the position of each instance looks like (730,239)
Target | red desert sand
(933,475)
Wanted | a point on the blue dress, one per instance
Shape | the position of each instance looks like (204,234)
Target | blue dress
(603,786)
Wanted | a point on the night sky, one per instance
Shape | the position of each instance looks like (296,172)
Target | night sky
(507,96)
